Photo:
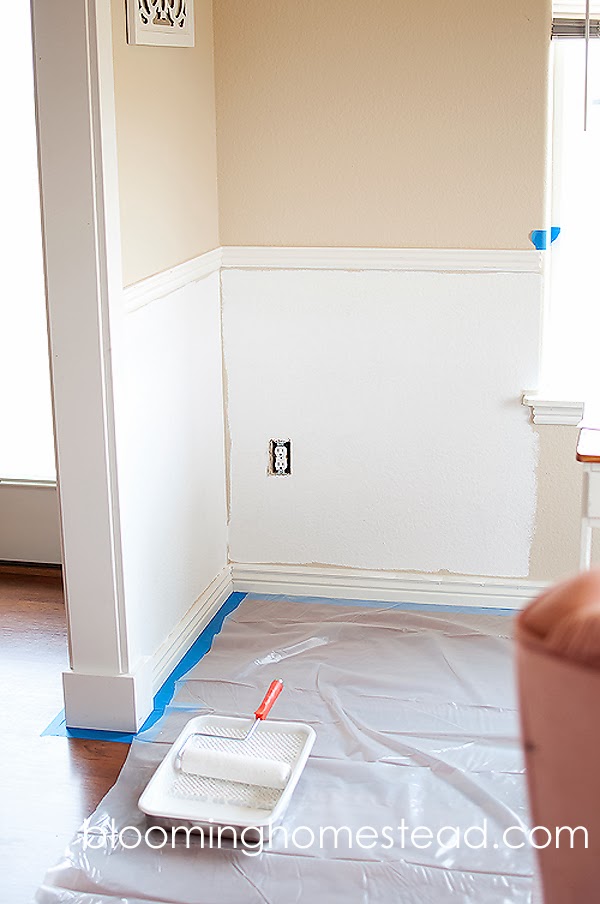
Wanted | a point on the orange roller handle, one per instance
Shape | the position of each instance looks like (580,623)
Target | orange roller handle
(275,688)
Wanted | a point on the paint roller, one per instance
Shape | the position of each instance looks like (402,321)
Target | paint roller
(231,766)
(235,767)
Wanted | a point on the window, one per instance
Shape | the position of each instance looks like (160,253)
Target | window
(572,330)
(26,441)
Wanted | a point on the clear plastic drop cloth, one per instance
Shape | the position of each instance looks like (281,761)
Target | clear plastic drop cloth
(414,792)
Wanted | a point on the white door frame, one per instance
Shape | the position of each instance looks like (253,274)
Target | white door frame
(80,214)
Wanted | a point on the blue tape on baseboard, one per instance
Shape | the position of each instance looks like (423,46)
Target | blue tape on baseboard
(200,647)
(377,604)
(539,237)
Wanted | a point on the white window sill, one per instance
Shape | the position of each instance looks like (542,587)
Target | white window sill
(17,482)
(545,410)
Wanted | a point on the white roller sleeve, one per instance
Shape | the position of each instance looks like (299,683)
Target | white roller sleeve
(235,767)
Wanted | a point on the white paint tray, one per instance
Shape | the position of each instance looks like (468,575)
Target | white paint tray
(173,795)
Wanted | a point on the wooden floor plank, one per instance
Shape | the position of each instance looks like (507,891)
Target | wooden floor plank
(47,785)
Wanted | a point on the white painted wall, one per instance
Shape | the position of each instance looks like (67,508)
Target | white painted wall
(401,395)
(138,402)
(170,450)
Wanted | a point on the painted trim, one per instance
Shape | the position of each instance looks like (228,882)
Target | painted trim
(200,647)
(434,260)
(187,631)
(74,92)
(162,284)
(115,702)
(122,703)
(387,586)
(553,411)
(158,286)
(426,259)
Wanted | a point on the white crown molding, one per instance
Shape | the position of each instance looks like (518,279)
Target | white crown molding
(553,411)
(387,586)
(424,259)
(151,289)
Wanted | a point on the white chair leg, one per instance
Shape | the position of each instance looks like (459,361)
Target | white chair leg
(585,559)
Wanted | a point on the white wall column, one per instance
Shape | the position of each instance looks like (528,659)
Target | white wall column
(77,147)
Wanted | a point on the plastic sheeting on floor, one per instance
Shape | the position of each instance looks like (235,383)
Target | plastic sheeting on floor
(416,770)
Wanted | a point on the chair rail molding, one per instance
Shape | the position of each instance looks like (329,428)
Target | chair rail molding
(153,288)
(447,260)
(434,260)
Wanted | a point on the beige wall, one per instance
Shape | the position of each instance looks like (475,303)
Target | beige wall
(380,122)
(555,551)
(165,107)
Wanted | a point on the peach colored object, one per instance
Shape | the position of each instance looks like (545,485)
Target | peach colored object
(558,657)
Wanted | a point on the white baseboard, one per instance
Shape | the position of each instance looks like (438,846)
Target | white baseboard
(183,635)
(29,522)
(124,702)
(387,586)
(108,702)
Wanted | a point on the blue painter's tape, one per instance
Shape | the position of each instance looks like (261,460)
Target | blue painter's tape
(201,646)
(58,729)
(377,604)
(539,237)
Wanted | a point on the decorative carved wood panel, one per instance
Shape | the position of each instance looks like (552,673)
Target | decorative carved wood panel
(161,22)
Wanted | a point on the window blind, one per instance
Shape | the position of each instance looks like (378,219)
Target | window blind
(568,19)
(569,9)
(578,19)
(574,28)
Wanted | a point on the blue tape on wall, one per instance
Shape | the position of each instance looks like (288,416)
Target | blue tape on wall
(58,726)
(539,237)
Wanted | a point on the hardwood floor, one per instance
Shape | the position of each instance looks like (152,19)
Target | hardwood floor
(47,785)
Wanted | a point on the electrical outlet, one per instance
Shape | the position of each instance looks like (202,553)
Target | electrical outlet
(280,458)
